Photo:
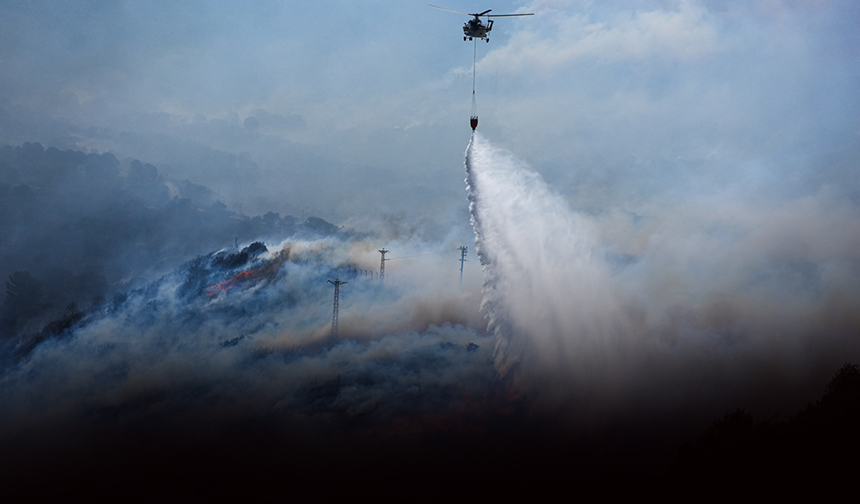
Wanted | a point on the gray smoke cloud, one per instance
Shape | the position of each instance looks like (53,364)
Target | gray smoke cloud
(210,345)
(717,307)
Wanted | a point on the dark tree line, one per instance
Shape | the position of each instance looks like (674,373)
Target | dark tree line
(816,448)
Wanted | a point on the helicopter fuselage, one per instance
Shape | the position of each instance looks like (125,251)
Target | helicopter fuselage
(474,28)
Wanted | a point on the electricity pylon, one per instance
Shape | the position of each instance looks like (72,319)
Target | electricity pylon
(337,283)
(382,264)
(463,250)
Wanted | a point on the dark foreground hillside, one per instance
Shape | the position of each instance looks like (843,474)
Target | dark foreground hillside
(815,449)
(494,450)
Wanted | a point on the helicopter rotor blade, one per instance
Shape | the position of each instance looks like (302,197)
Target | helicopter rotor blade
(449,10)
(510,15)
(481,14)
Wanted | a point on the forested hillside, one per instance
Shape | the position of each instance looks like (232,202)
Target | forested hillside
(76,228)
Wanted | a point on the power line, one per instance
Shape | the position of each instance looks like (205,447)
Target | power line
(419,255)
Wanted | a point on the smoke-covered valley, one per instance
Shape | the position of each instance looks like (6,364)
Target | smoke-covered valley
(661,209)
(93,244)
(139,309)
(145,320)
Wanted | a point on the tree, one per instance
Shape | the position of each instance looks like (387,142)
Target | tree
(846,382)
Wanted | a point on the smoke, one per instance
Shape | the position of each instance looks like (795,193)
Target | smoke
(688,310)
(235,337)
(604,316)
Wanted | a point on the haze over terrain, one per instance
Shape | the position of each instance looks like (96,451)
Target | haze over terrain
(664,198)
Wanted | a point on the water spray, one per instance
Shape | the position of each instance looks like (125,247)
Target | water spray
(544,296)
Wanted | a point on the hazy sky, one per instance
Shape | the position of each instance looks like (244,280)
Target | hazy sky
(361,107)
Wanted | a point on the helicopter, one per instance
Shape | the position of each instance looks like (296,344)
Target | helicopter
(474,28)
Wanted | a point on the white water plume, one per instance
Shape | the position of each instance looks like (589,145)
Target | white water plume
(542,283)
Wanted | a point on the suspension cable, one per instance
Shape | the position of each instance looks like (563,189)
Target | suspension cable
(474,117)
(474,59)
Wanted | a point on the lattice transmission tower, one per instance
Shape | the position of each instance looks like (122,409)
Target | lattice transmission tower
(463,250)
(382,264)
(337,283)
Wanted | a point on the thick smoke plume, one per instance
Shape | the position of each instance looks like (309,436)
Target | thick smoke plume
(602,334)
